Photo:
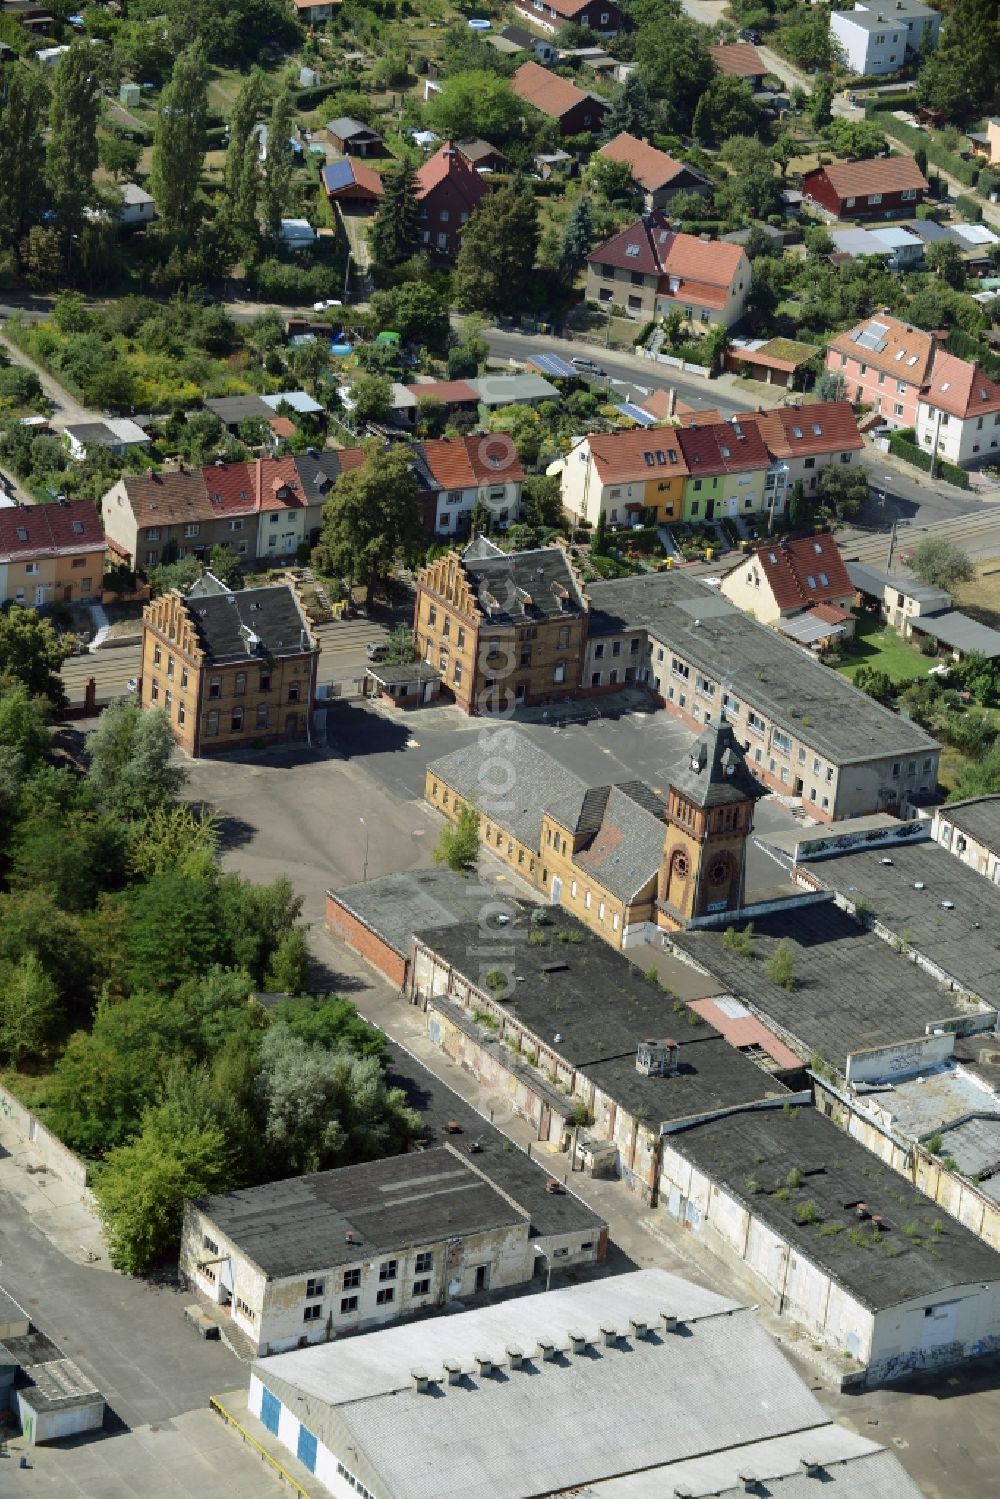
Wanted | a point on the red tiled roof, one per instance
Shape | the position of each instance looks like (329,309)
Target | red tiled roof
(689,416)
(897,348)
(451,392)
(807,431)
(651,168)
(464,462)
(32,531)
(659,405)
(553,95)
(858,179)
(830,614)
(960,388)
(166,498)
(567,8)
(449,163)
(707,267)
(726,448)
(739,60)
(281,426)
(808,571)
(621,457)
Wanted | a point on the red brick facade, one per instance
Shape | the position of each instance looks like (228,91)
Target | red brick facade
(361,939)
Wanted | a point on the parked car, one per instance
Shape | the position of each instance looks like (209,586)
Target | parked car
(587,366)
(377,650)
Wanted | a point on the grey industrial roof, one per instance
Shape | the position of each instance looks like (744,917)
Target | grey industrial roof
(774,676)
(417,900)
(974,1145)
(550,1426)
(849,1467)
(250,624)
(851,991)
(329,1218)
(979,817)
(765,1147)
(521,1179)
(963,939)
(938,1096)
(873,580)
(56,1382)
(12,1313)
(956,630)
(503,390)
(562,988)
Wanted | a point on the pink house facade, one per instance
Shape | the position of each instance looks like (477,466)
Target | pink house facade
(885,364)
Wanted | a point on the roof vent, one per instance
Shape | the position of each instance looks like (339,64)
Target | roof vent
(918,885)
(351,1237)
(515,1357)
(637,1328)
(609,1337)
(748,1482)
(579,1342)
(547,1351)
(669,1321)
(484,1363)
(656,1058)
(811,1465)
(421,1380)
(453,1371)
(886,860)
(947,905)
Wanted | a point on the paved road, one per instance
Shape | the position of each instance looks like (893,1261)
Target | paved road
(66,409)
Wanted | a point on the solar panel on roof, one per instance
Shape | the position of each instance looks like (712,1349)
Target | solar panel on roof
(337,175)
(873,337)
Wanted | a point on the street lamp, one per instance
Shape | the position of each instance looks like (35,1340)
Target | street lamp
(364,876)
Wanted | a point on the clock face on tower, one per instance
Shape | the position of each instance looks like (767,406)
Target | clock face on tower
(718,870)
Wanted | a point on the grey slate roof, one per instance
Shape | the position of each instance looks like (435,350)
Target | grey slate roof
(527,586)
(549,1427)
(837,1173)
(979,818)
(714,772)
(960,633)
(774,676)
(231,410)
(626,850)
(417,900)
(404,1202)
(963,940)
(250,624)
(346,129)
(851,990)
(534,781)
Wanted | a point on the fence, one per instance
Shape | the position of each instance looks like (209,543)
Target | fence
(32,1131)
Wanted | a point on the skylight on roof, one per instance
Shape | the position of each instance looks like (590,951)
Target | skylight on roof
(22,534)
(631,250)
(817,429)
(796,431)
(946,385)
(725,452)
(824,580)
(912,360)
(649,459)
(900,353)
(773,556)
(810,580)
(78,527)
(817,548)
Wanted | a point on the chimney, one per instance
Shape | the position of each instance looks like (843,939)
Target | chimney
(669,1321)
(484,1363)
(609,1337)
(637,1328)
(453,1371)
(515,1357)
(672,402)
(547,1351)
(748,1482)
(810,1465)
(579,1342)
(421,1380)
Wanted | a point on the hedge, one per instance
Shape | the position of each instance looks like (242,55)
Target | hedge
(910,453)
(970,207)
(308,98)
(909,135)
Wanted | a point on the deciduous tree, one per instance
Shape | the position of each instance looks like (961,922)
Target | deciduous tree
(495,267)
(32,652)
(243,160)
(132,771)
(458,842)
(372,519)
(941,563)
(22,153)
(277,173)
(179,143)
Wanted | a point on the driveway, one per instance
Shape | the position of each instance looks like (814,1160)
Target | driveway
(66,409)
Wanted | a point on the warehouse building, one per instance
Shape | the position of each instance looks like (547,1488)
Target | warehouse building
(533,1397)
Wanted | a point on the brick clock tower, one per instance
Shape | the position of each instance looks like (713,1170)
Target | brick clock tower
(709,818)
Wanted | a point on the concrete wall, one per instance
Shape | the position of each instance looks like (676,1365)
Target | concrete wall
(50,1151)
(53,1426)
(903,1059)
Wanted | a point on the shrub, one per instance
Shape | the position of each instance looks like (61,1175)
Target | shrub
(910,453)
(970,208)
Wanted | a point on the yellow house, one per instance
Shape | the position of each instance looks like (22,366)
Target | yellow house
(628,477)
(51,553)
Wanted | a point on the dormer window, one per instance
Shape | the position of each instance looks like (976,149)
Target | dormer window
(632,251)
(796,431)
(817,429)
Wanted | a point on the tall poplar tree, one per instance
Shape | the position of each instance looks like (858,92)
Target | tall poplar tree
(278,166)
(243,160)
(71,155)
(22,153)
(179,144)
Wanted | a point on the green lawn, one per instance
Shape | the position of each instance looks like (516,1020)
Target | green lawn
(876,644)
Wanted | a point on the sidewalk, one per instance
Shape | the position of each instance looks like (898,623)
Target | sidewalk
(59,1209)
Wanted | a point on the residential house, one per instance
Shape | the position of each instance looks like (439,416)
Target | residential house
(651,271)
(116,434)
(896,597)
(468,472)
(658,174)
(338,1252)
(729,472)
(601,16)
(448,191)
(987,143)
(879,36)
(51,553)
(481,156)
(478,610)
(501,1380)
(230,668)
(770,361)
(353,138)
(351,182)
(933,1304)
(803,440)
(513,39)
(316,12)
(627,477)
(886,187)
(958,412)
(788,579)
(576,111)
(138,206)
(970,830)
(740,60)
(885,364)
(809,732)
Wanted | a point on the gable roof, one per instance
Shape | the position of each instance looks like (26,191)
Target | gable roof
(738,59)
(652,169)
(475,149)
(714,772)
(891,345)
(347,129)
(546,91)
(808,571)
(464,462)
(650,245)
(536,583)
(725,448)
(794,431)
(162,499)
(28,532)
(959,388)
(858,179)
(620,457)
(449,165)
(339,175)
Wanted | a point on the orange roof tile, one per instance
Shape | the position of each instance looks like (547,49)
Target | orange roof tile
(546,91)
(808,571)
(888,344)
(463,462)
(881,174)
(652,169)
(738,59)
(708,267)
(727,448)
(807,431)
(449,163)
(621,457)
(960,388)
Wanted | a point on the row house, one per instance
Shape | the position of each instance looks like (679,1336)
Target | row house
(448,191)
(463,474)
(576,111)
(551,16)
(958,413)
(230,668)
(51,553)
(502,628)
(629,478)
(651,271)
(728,467)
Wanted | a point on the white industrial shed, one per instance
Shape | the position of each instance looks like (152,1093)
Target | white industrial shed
(535,1396)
